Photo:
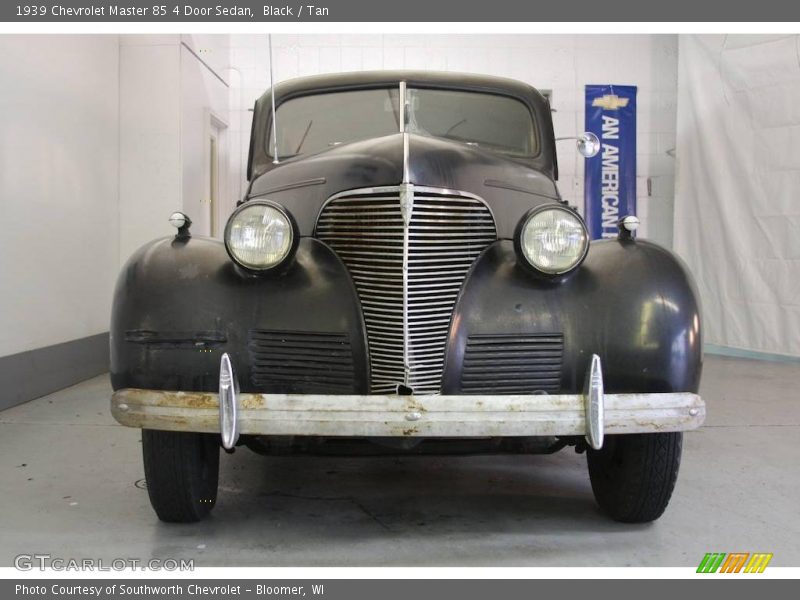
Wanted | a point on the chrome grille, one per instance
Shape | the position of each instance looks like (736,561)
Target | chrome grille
(407,312)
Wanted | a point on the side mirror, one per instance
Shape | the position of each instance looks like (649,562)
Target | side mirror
(588,144)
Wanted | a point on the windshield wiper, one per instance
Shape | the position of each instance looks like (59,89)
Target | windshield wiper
(303,139)
(461,122)
(395,109)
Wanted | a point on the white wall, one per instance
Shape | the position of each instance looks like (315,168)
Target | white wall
(101,138)
(58,187)
(150,153)
(561,63)
(167,96)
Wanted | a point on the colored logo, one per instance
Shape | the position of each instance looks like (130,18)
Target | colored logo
(610,102)
(736,562)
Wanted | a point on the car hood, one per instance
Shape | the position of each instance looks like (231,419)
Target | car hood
(303,184)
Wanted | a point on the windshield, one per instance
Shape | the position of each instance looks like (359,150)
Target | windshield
(313,123)
(489,121)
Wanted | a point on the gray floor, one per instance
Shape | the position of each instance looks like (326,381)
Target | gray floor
(71,481)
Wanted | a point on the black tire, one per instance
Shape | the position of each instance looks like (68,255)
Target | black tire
(182,470)
(633,475)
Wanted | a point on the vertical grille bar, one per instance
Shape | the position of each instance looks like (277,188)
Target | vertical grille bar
(407,313)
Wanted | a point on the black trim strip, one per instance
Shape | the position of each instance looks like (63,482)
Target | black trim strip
(496,183)
(291,186)
(178,339)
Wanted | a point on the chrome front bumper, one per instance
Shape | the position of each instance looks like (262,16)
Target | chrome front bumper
(592,414)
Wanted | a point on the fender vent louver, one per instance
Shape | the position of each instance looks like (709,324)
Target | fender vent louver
(512,364)
(301,362)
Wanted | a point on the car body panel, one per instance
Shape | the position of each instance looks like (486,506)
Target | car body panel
(632,303)
(178,305)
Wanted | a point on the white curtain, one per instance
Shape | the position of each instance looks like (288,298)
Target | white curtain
(737,197)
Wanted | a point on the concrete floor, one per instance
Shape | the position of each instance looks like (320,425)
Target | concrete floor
(72,487)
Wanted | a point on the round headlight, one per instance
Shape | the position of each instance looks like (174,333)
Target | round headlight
(553,240)
(260,235)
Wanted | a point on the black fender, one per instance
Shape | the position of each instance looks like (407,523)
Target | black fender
(179,304)
(633,303)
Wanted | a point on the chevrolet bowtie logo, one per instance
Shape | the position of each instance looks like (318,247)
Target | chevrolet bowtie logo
(610,102)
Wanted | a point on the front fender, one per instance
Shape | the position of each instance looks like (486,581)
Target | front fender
(179,304)
(632,303)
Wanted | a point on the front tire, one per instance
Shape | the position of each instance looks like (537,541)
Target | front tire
(182,471)
(633,475)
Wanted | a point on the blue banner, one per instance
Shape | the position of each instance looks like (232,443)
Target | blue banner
(610,176)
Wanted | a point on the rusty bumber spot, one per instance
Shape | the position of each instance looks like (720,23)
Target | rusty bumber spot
(136,397)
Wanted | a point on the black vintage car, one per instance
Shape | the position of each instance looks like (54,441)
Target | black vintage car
(404,277)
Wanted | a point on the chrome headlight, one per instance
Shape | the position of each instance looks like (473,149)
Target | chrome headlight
(260,235)
(552,239)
